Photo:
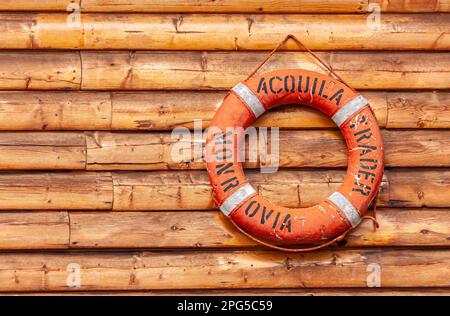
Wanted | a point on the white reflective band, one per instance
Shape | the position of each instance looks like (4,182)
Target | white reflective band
(241,195)
(249,98)
(349,109)
(346,207)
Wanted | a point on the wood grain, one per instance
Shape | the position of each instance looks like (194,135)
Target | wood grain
(53,191)
(34,230)
(223,270)
(166,110)
(222,70)
(254,292)
(310,149)
(398,227)
(230,6)
(42,150)
(55,110)
(407,190)
(189,190)
(223,31)
(40,70)
(415,110)
(285,6)
(41,5)
(412,5)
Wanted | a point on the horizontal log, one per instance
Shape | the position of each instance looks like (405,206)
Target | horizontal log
(222,270)
(42,150)
(230,6)
(166,110)
(197,229)
(251,6)
(41,5)
(50,191)
(222,70)
(163,151)
(56,110)
(411,5)
(398,227)
(40,70)
(190,190)
(158,110)
(312,148)
(34,230)
(254,292)
(418,110)
(222,31)
(211,70)
(163,110)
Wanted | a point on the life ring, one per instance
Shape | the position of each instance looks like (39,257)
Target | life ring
(257,216)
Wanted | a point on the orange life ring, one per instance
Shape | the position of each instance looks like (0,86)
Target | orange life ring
(257,216)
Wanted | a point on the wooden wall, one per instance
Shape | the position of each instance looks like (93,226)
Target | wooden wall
(88,184)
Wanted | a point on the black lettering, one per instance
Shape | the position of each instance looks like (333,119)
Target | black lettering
(271,85)
(265,217)
(300,80)
(222,138)
(276,221)
(364,190)
(367,175)
(338,96)
(223,154)
(307,84)
(249,207)
(322,85)
(366,149)
(224,168)
(286,87)
(286,223)
(313,90)
(262,85)
(365,134)
(372,167)
(230,183)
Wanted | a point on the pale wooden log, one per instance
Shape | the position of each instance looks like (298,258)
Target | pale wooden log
(222,31)
(419,188)
(50,191)
(223,270)
(417,110)
(42,150)
(40,70)
(256,6)
(158,110)
(41,110)
(191,190)
(412,5)
(40,31)
(254,292)
(163,110)
(405,227)
(222,70)
(229,6)
(34,230)
(311,148)
(247,32)
(41,5)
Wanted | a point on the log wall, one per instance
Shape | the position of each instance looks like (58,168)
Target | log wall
(91,91)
